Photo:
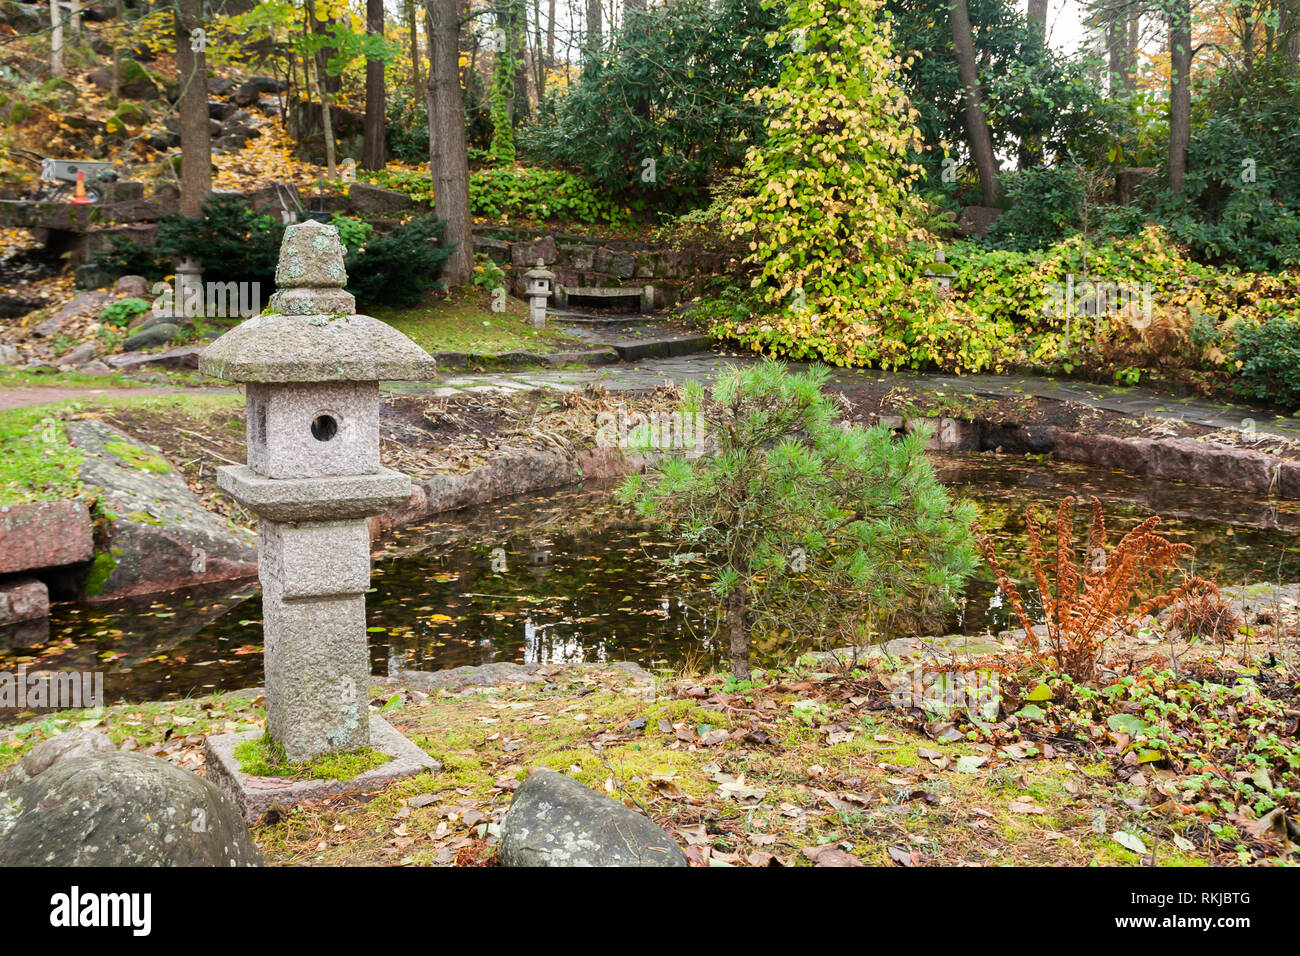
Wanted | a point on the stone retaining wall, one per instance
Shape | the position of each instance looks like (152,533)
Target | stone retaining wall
(662,275)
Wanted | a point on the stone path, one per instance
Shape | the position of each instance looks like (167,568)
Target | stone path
(703,366)
(1134,402)
(638,340)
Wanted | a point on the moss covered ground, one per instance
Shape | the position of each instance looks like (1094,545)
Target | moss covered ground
(800,769)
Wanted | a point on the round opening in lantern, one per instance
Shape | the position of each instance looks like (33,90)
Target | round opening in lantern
(324,427)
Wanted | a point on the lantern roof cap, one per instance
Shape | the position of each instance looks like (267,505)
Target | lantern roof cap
(539,271)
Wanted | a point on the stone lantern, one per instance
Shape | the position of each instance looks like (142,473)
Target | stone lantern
(939,272)
(537,285)
(311,368)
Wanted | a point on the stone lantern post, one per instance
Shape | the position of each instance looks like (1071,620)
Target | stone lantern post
(311,368)
(537,284)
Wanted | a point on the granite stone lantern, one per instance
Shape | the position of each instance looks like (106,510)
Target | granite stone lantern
(311,369)
(537,284)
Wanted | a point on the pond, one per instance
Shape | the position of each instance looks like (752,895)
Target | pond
(566,577)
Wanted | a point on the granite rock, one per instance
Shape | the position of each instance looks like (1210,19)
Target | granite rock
(121,809)
(556,821)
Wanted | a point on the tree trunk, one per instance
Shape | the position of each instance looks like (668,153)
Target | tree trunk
(977,126)
(738,633)
(373,150)
(414,32)
(593,22)
(519,37)
(550,34)
(56,39)
(1116,30)
(1180,92)
(447,154)
(1131,53)
(1037,17)
(1289,28)
(196,140)
(539,58)
(115,89)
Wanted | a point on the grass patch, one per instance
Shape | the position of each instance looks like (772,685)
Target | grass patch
(36,461)
(463,321)
(155,378)
(264,757)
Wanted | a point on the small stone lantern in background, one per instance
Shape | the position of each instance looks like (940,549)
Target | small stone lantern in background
(939,272)
(312,370)
(537,284)
(188,287)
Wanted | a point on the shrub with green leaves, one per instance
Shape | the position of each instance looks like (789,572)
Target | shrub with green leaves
(122,312)
(232,241)
(353,232)
(672,88)
(810,526)
(398,268)
(1269,357)
(236,244)
(531,193)
(1045,205)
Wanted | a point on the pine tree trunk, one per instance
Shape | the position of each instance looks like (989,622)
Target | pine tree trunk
(447,155)
(373,151)
(1180,92)
(977,127)
(196,140)
(738,632)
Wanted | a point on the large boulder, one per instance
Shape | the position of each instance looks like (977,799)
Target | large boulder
(368,200)
(556,821)
(44,534)
(23,599)
(161,537)
(160,333)
(121,809)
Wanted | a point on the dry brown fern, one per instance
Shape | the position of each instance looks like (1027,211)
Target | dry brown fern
(1087,605)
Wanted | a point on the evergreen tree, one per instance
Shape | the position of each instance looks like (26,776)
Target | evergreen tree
(810,526)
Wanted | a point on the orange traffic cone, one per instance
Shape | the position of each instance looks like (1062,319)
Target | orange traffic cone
(79,198)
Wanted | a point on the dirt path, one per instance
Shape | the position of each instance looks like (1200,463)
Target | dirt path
(22,397)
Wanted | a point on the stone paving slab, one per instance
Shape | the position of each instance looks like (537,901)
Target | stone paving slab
(644,340)
(256,796)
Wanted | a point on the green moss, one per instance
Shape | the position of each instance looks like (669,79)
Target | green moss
(101,569)
(138,458)
(264,757)
(143,517)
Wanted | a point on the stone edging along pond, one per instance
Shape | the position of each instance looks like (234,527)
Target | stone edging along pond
(516,471)
(520,471)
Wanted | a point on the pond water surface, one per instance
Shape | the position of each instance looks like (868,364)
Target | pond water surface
(566,577)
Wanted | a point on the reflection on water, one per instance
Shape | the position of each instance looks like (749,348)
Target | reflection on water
(565,577)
